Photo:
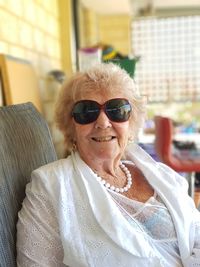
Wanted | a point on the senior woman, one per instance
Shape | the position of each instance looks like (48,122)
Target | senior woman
(108,203)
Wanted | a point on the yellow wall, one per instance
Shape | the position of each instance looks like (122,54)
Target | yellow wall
(88,27)
(107,29)
(115,30)
(32,30)
(67,36)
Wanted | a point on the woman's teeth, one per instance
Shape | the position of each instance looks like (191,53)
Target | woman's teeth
(103,139)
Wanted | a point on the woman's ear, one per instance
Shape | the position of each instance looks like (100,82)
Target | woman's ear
(74,147)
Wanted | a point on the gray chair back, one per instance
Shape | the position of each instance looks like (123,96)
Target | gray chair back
(25,144)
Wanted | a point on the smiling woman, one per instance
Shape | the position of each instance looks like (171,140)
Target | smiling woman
(103,82)
(108,203)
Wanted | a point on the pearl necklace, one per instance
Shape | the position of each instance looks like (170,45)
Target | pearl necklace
(117,189)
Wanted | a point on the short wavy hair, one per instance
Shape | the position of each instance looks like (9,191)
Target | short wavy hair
(103,77)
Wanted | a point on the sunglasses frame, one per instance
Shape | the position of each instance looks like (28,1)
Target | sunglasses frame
(102,107)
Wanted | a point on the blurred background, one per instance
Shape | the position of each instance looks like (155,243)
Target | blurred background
(160,39)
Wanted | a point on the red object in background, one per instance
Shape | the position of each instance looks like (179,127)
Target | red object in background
(164,133)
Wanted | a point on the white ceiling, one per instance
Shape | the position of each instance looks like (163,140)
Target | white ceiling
(126,6)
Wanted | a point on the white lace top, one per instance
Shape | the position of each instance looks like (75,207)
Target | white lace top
(154,220)
(41,244)
(66,211)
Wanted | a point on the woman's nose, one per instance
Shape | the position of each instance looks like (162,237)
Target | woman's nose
(102,121)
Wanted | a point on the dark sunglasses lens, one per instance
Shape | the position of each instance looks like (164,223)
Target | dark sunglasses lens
(118,110)
(85,111)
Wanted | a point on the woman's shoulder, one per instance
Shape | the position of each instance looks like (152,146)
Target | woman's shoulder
(53,173)
(172,177)
(55,166)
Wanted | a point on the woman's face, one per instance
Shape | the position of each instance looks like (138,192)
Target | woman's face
(102,139)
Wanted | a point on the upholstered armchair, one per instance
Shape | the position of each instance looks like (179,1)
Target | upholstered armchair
(25,144)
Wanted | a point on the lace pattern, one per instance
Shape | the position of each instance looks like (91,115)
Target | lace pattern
(39,243)
(197,235)
(153,216)
(38,240)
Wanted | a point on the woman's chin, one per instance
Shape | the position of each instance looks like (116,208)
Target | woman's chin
(106,154)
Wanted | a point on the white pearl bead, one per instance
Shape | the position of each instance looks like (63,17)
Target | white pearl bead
(99,179)
(107,185)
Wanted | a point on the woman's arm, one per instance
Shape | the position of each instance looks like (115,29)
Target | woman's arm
(194,259)
(197,235)
(38,240)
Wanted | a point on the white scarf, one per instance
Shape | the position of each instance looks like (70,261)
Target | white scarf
(167,183)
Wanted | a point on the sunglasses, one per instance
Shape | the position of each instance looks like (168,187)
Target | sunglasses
(87,111)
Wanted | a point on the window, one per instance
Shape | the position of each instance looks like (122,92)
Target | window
(169,50)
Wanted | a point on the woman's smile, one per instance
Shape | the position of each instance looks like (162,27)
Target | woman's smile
(103,138)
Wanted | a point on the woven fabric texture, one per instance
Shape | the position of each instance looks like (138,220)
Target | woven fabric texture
(25,144)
